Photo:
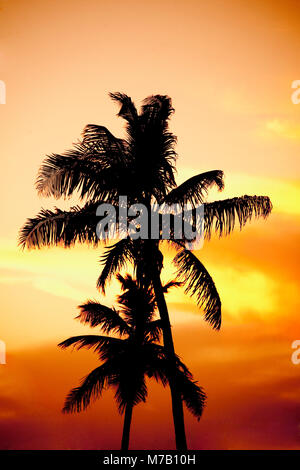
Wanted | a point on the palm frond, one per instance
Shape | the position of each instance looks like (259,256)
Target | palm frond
(105,346)
(136,302)
(99,136)
(90,167)
(156,364)
(198,282)
(195,189)
(107,318)
(127,282)
(52,227)
(221,216)
(128,110)
(132,389)
(157,109)
(192,394)
(90,389)
(153,330)
(114,259)
(61,175)
(154,147)
(162,369)
(171,284)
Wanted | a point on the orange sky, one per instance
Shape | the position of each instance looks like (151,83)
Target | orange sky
(229,72)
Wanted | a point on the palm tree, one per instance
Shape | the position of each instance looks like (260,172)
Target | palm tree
(102,167)
(130,355)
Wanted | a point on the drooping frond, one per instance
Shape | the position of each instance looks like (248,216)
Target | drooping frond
(61,175)
(164,167)
(160,368)
(98,137)
(96,314)
(193,396)
(90,389)
(91,167)
(157,109)
(114,259)
(221,216)
(153,330)
(171,284)
(136,303)
(52,227)
(106,346)
(195,189)
(198,282)
(156,364)
(127,282)
(131,388)
(147,258)
(154,147)
(128,110)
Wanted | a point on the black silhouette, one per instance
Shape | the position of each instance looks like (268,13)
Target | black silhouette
(130,357)
(102,167)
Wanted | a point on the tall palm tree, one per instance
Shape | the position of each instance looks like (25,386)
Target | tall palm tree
(102,167)
(129,356)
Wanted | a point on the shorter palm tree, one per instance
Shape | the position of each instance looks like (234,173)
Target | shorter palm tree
(130,355)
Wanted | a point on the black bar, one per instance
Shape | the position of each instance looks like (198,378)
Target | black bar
(94,459)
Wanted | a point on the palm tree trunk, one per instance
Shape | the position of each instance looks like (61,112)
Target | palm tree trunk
(177,406)
(126,427)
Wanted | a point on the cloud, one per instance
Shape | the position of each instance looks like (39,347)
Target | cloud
(245,369)
(282,128)
(245,290)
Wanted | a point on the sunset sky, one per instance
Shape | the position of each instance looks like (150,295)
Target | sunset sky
(228,67)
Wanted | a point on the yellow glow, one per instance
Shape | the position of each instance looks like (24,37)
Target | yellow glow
(285,129)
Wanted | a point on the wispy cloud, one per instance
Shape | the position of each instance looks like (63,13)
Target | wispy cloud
(281,128)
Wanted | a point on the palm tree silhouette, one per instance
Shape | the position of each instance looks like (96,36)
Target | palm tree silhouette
(102,167)
(129,356)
